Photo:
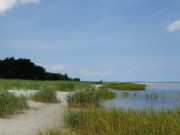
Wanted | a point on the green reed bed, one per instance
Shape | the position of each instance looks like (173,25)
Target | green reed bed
(11,104)
(124,86)
(105,94)
(6,84)
(152,95)
(125,94)
(46,96)
(84,98)
(120,122)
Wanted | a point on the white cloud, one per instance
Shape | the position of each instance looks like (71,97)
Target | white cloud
(30,1)
(54,67)
(175,26)
(6,5)
(89,73)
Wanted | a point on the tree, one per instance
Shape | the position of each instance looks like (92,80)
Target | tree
(10,68)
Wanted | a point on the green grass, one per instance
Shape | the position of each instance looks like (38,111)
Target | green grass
(84,98)
(11,104)
(6,84)
(119,122)
(105,94)
(46,96)
(124,86)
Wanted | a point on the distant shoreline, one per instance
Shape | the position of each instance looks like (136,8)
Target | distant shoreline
(152,83)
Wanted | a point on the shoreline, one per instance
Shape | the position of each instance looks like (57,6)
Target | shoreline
(152,83)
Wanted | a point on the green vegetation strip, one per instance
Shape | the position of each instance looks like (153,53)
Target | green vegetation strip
(10,104)
(39,85)
(124,86)
(105,94)
(117,122)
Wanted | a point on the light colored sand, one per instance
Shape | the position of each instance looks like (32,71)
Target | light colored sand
(26,93)
(151,83)
(98,85)
(40,116)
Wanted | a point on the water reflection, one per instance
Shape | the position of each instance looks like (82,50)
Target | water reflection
(164,96)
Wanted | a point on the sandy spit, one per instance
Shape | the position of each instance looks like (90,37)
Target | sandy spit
(97,86)
(152,83)
(40,116)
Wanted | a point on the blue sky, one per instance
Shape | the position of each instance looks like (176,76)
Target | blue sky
(110,40)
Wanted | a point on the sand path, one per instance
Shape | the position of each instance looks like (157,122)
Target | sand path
(40,116)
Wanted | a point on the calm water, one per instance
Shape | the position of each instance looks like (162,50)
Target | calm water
(164,96)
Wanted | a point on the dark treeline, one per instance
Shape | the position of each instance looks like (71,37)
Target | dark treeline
(11,68)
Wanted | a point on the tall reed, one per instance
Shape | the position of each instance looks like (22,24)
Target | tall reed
(47,96)
(119,122)
(84,98)
(10,104)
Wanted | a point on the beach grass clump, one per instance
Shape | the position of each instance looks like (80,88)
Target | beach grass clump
(124,86)
(105,94)
(84,98)
(46,96)
(121,122)
(11,104)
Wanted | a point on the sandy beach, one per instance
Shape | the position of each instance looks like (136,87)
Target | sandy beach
(39,116)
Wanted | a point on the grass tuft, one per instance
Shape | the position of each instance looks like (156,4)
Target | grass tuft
(84,98)
(46,96)
(11,104)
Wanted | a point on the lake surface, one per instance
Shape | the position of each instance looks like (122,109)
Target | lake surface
(156,96)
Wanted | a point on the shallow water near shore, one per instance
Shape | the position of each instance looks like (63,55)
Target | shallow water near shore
(157,96)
